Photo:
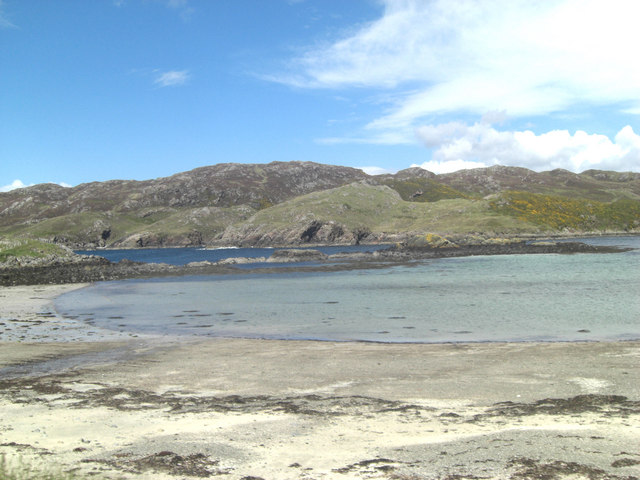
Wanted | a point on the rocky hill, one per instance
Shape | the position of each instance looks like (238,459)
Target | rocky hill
(591,184)
(301,202)
(222,185)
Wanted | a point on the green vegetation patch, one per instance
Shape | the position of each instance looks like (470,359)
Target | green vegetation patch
(352,205)
(19,469)
(381,209)
(28,248)
(423,190)
(561,213)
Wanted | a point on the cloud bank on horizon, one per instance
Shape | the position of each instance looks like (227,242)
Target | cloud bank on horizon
(438,65)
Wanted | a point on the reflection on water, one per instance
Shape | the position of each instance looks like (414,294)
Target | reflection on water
(499,298)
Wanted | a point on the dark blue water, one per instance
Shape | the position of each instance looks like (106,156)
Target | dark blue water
(182,256)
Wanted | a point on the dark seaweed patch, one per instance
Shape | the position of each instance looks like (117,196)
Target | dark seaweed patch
(529,469)
(195,465)
(607,405)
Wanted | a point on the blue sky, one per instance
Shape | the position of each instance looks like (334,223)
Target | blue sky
(139,89)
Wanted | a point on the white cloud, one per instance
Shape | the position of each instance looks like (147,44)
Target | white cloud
(465,56)
(13,185)
(457,146)
(375,170)
(172,78)
(449,166)
(20,184)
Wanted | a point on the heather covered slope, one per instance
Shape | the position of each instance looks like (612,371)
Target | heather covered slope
(301,202)
(222,185)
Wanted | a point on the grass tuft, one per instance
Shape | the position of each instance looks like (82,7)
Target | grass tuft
(16,468)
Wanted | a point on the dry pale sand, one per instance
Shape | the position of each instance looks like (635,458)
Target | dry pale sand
(118,406)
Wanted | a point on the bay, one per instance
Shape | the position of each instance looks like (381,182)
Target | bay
(182,256)
(579,297)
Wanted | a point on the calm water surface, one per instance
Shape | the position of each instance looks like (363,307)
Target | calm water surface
(484,298)
(182,256)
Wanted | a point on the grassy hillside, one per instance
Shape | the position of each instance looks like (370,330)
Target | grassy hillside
(77,228)
(186,226)
(162,226)
(422,189)
(382,210)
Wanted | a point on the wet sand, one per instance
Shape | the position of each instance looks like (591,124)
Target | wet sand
(123,406)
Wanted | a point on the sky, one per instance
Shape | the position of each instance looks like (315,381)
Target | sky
(139,89)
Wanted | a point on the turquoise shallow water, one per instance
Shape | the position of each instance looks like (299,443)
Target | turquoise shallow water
(485,298)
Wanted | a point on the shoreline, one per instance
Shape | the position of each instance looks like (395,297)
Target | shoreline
(87,269)
(117,406)
(27,315)
(225,246)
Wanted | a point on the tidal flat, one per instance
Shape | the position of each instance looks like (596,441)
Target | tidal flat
(112,405)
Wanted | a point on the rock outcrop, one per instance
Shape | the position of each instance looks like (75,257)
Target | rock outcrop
(314,232)
(296,255)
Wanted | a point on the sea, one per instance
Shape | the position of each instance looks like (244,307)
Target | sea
(506,298)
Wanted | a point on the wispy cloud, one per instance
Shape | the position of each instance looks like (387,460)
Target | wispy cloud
(457,145)
(442,57)
(172,78)
(182,6)
(382,138)
(4,21)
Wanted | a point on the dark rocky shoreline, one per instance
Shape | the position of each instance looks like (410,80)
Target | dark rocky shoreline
(85,269)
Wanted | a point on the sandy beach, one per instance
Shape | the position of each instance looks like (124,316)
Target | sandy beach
(115,405)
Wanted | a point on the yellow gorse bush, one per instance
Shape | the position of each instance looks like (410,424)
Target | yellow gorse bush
(562,213)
